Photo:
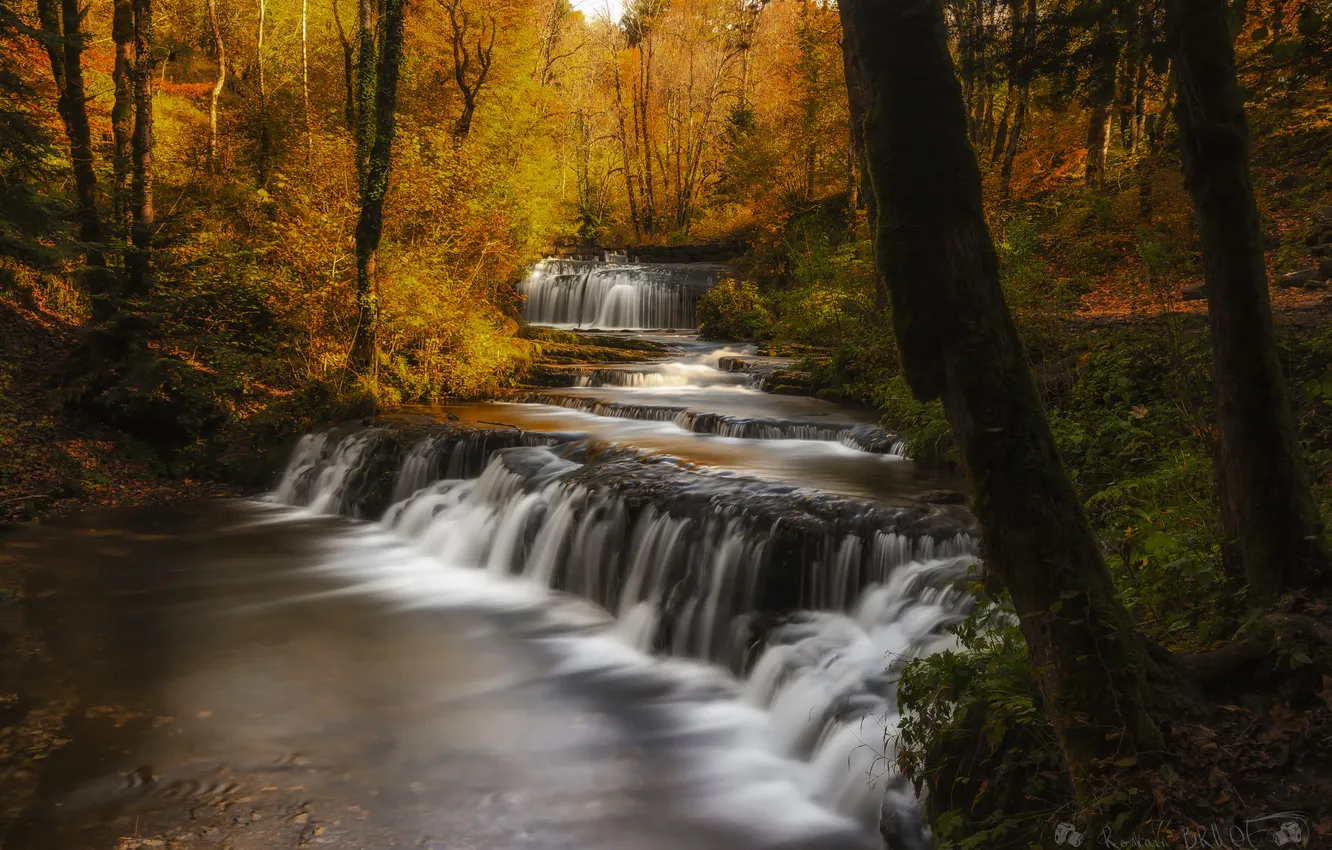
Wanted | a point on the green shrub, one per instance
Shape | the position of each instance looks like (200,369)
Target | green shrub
(733,310)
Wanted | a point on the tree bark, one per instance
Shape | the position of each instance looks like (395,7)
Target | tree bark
(348,71)
(958,343)
(305,85)
(265,138)
(1279,527)
(61,25)
(221,81)
(1101,95)
(1023,70)
(370,224)
(122,115)
(141,181)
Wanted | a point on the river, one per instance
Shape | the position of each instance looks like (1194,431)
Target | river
(654,608)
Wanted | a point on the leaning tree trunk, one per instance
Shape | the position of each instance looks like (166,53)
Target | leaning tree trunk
(141,181)
(958,343)
(218,83)
(370,224)
(1278,524)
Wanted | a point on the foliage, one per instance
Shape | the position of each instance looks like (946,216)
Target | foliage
(975,735)
(733,310)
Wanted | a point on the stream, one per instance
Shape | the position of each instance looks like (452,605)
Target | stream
(652,607)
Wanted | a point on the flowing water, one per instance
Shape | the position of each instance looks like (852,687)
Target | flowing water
(654,608)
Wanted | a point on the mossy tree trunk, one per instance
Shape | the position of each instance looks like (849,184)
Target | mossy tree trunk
(1265,484)
(958,343)
(377,98)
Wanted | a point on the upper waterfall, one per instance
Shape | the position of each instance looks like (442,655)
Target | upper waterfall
(616,295)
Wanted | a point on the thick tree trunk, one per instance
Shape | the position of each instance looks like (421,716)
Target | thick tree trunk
(141,182)
(959,343)
(1279,527)
(370,224)
(122,114)
(219,83)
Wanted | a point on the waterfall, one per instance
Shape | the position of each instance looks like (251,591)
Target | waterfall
(818,599)
(615,296)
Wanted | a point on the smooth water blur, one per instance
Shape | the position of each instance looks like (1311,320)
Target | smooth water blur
(229,672)
(658,608)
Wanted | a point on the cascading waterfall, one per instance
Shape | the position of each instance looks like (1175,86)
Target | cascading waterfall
(615,296)
(868,438)
(691,575)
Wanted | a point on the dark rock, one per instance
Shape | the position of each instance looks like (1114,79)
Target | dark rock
(943,497)
(1325,267)
(1300,279)
(1196,292)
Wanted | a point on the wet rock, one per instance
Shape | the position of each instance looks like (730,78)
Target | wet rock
(942,497)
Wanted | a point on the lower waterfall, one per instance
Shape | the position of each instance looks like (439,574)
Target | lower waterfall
(814,603)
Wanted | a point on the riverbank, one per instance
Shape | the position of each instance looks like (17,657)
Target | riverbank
(54,462)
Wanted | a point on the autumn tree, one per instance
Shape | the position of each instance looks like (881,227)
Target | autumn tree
(473,41)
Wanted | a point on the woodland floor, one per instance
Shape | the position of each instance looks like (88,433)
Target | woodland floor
(52,462)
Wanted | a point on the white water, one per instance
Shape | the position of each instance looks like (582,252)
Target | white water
(614,296)
(808,737)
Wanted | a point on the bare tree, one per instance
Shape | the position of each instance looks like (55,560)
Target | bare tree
(473,36)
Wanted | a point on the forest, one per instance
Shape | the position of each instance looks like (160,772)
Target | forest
(1074,253)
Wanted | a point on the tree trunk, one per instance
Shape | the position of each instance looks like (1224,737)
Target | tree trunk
(61,25)
(1014,138)
(305,86)
(1279,527)
(218,84)
(265,139)
(1098,143)
(370,224)
(1005,121)
(1104,59)
(141,182)
(122,115)
(856,118)
(958,343)
(348,71)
